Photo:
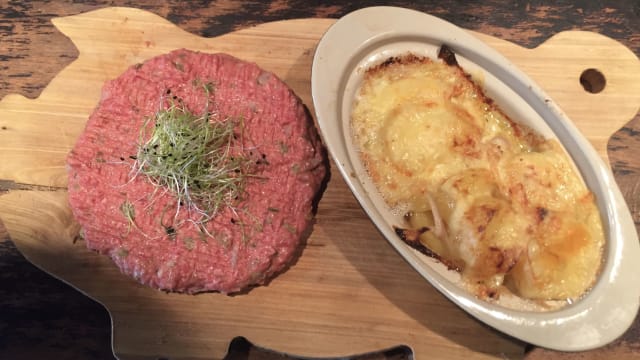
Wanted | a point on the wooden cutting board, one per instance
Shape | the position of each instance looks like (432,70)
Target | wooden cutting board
(349,292)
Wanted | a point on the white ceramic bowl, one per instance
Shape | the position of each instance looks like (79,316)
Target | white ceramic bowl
(370,35)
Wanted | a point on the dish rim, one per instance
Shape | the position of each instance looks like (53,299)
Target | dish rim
(583,325)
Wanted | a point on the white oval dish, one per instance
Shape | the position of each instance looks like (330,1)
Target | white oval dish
(370,35)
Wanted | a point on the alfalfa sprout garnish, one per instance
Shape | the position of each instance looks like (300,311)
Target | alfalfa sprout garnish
(195,156)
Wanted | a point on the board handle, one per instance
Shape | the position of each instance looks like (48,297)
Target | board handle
(241,348)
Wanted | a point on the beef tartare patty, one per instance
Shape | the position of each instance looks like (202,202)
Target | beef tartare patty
(145,228)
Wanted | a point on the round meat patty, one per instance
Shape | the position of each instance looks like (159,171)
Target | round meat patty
(144,229)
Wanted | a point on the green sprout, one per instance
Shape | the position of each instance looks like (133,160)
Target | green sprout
(129,213)
(194,157)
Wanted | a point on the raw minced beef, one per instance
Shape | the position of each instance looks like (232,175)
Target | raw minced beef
(126,216)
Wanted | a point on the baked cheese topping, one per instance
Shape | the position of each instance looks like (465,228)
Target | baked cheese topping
(489,196)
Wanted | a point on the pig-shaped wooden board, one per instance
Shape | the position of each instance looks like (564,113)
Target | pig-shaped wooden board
(349,292)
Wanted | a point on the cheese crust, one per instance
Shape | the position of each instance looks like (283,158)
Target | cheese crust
(490,197)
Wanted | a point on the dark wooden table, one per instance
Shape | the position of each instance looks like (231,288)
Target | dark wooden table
(43,318)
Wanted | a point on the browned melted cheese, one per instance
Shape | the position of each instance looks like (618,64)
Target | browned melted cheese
(499,202)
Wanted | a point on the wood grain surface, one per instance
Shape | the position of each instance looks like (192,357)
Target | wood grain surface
(621,149)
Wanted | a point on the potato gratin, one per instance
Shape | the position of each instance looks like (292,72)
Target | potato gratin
(483,194)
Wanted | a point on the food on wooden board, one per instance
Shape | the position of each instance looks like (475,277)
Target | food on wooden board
(485,195)
(197,172)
